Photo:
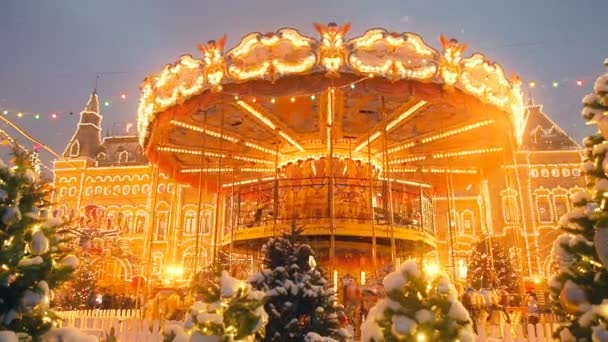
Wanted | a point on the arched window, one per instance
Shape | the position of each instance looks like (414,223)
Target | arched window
(555,172)
(543,205)
(170,188)
(576,172)
(189,259)
(157,262)
(534,173)
(161,187)
(566,172)
(140,222)
(135,189)
(106,190)
(63,191)
(510,208)
(126,189)
(145,189)
(468,221)
(544,173)
(162,218)
(116,190)
(73,191)
(98,190)
(190,222)
(101,156)
(123,157)
(207,221)
(560,202)
(88,191)
(75,149)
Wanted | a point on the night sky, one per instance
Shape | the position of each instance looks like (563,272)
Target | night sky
(51,51)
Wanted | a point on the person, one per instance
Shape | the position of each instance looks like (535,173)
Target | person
(533,310)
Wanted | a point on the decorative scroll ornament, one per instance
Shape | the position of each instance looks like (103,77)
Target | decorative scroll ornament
(332,52)
(485,80)
(214,69)
(393,55)
(271,56)
(449,63)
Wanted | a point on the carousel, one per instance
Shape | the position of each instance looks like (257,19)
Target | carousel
(347,139)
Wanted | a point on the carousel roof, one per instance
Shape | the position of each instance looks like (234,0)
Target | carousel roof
(275,98)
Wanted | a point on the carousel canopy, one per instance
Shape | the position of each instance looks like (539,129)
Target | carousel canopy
(278,98)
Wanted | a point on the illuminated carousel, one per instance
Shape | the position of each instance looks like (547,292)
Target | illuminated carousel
(348,139)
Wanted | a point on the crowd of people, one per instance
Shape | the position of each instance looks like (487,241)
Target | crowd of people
(109,300)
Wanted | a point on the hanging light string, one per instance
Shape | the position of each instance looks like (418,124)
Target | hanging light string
(13,142)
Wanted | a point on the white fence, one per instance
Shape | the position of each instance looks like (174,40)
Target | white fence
(130,326)
(127,324)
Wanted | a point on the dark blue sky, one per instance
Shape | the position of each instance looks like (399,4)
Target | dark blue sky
(50,51)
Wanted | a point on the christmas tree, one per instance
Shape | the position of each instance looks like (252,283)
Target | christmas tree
(301,303)
(489,267)
(230,310)
(580,286)
(420,306)
(33,258)
(78,292)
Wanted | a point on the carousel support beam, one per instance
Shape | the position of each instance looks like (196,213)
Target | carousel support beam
(216,228)
(199,220)
(330,195)
(371,206)
(263,117)
(399,116)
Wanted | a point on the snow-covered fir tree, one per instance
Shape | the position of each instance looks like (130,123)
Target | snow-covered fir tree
(419,306)
(33,253)
(301,303)
(78,292)
(580,286)
(489,267)
(230,310)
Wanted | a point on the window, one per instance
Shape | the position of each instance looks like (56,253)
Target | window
(106,190)
(170,188)
(454,220)
(566,172)
(75,149)
(555,172)
(543,206)
(161,187)
(101,156)
(157,262)
(126,189)
(145,189)
(123,157)
(561,205)
(161,224)
(206,220)
(190,222)
(534,173)
(510,208)
(467,221)
(576,172)
(63,191)
(135,189)
(123,222)
(116,190)
(140,222)
(544,173)
(88,191)
(73,191)
(98,190)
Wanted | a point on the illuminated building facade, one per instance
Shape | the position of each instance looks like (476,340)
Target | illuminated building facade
(105,187)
